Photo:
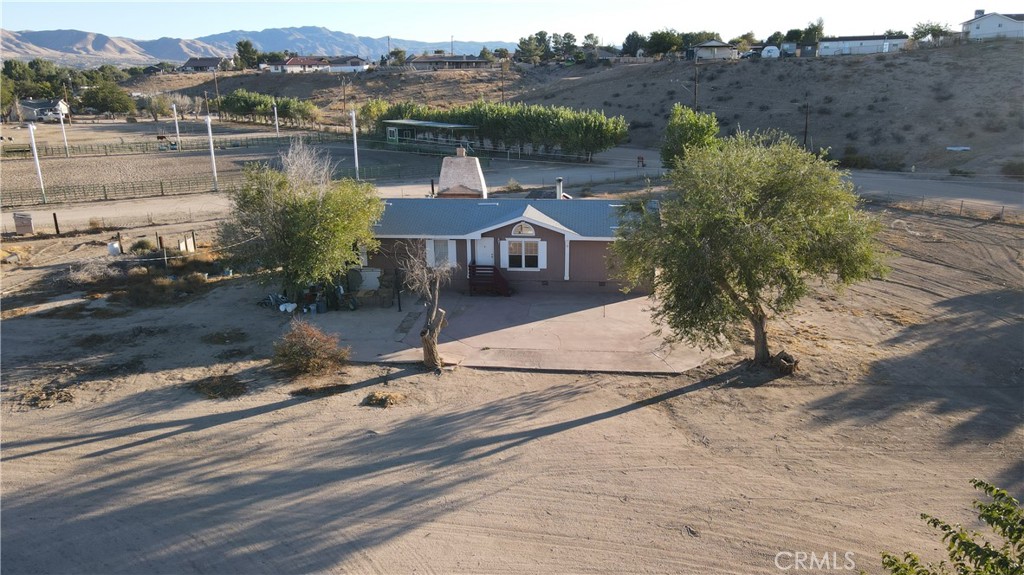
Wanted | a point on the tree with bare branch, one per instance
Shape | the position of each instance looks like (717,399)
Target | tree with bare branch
(426,278)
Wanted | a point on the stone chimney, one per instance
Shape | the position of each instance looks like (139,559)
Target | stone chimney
(461,177)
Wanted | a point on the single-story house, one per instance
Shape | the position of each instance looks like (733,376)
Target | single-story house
(33,110)
(992,26)
(440,62)
(525,244)
(206,64)
(851,45)
(714,50)
(348,64)
(298,65)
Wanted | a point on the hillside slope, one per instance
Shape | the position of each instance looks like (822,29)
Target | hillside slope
(892,110)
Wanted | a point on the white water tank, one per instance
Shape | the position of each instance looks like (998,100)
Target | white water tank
(770,52)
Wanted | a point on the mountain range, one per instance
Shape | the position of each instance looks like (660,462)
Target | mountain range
(89,49)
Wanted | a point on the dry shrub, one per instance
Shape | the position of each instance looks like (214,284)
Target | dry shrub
(307,349)
(143,246)
(194,280)
(384,399)
(138,271)
(92,272)
(219,387)
(46,395)
(154,291)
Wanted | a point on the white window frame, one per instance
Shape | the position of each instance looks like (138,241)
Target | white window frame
(542,254)
(450,258)
(523,229)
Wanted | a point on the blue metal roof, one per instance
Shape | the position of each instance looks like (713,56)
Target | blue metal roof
(468,218)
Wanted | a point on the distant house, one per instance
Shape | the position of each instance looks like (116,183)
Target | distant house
(206,64)
(993,26)
(348,64)
(439,62)
(851,45)
(298,65)
(714,50)
(530,245)
(39,110)
(152,70)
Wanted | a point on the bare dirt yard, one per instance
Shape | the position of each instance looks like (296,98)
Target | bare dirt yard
(115,462)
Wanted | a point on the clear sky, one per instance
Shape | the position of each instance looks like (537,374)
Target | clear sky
(489,20)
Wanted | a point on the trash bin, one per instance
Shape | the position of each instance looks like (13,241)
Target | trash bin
(23,224)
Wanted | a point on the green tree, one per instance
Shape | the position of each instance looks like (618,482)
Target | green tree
(664,42)
(159,105)
(794,35)
(894,33)
(814,32)
(18,71)
(634,43)
(501,53)
(745,226)
(744,42)
(687,128)
(775,39)
(486,54)
(691,39)
(247,54)
(590,41)
(564,46)
(931,30)
(529,50)
(397,56)
(297,225)
(968,554)
(107,96)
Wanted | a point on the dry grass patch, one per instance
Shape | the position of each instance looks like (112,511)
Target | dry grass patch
(305,349)
(42,396)
(219,387)
(384,399)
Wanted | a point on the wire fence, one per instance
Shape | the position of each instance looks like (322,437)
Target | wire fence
(117,191)
(77,193)
(167,144)
(947,207)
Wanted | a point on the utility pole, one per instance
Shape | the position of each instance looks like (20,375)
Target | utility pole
(807,117)
(217,88)
(344,100)
(695,82)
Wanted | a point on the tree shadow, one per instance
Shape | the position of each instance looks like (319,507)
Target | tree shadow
(312,503)
(977,337)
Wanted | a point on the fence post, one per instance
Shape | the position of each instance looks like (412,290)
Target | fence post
(105,192)
(961,208)
(161,187)
(1002,212)
(55,224)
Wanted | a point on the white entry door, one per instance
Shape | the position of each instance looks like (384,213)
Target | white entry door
(484,251)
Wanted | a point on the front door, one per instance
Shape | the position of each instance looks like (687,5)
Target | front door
(484,251)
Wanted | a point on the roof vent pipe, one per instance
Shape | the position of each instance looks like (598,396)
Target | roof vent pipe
(558,188)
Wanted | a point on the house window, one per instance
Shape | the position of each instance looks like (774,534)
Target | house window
(523,229)
(522,254)
(441,253)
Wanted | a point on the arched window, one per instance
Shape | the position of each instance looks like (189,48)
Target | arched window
(523,229)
